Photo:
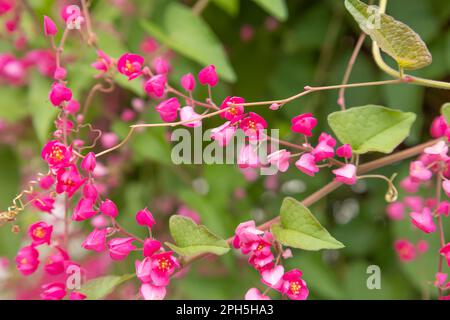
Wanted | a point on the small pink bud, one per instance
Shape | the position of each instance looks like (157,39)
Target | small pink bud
(46,182)
(50,28)
(344,151)
(119,248)
(304,124)
(89,162)
(151,246)
(208,76)
(161,65)
(188,82)
(127,115)
(145,218)
(60,73)
(72,107)
(156,86)
(274,106)
(109,208)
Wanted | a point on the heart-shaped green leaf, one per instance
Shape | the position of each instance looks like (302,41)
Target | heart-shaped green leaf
(445,111)
(371,128)
(191,36)
(394,37)
(192,239)
(100,288)
(298,228)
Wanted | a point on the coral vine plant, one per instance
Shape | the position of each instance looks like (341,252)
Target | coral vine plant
(72,192)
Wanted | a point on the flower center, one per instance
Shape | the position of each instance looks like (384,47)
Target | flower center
(129,67)
(295,287)
(39,232)
(56,154)
(164,264)
(24,261)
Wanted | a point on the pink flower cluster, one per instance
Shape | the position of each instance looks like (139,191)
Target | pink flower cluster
(258,246)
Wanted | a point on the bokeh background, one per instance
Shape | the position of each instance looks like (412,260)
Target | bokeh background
(271,59)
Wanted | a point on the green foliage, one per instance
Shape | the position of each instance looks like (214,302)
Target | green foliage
(277,8)
(394,37)
(192,239)
(189,35)
(100,288)
(445,110)
(298,228)
(371,128)
(230,6)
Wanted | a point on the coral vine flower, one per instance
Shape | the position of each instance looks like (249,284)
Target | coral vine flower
(57,262)
(254,294)
(59,94)
(223,134)
(438,127)
(443,208)
(307,164)
(44,203)
(151,246)
(188,82)
(423,220)
(328,139)
(46,182)
(446,187)
(445,251)
(406,250)
(294,286)
(156,86)
(161,65)
(119,248)
(395,210)
(346,174)
(163,266)
(168,109)
(323,151)
(208,76)
(96,240)
(89,162)
(130,65)
(248,158)
(344,151)
(90,191)
(410,185)
(84,210)
(151,292)
(280,159)
(27,260)
(74,295)
(68,181)
(56,154)
(103,62)
(252,125)
(50,28)
(143,270)
(187,113)
(145,218)
(53,291)
(418,171)
(272,277)
(109,208)
(40,233)
(304,124)
(236,109)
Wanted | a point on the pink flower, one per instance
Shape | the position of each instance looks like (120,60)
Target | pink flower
(423,220)
(96,240)
(395,210)
(234,106)
(56,154)
(119,248)
(415,203)
(89,162)
(53,291)
(246,233)
(418,171)
(156,86)
(272,277)
(344,151)
(90,191)
(144,269)
(410,185)
(438,127)
(72,107)
(130,65)
(145,218)
(307,164)
(74,295)
(446,187)
(151,292)
(439,149)
(84,210)
(149,45)
(248,158)
(445,251)
(60,73)
(294,286)
(253,125)
(223,134)
(422,246)
(109,139)
(443,208)
(103,62)
(280,159)
(46,182)
(57,262)
(287,254)
(168,109)
(50,28)
(163,266)
(254,294)
(208,76)
(59,94)
(40,233)
(322,151)
(68,181)
(151,246)
(346,174)
(161,65)
(109,208)
(44,203)
(440,279)
(27,260)
(187,113)
(304,124)
(328,139)
(188,82)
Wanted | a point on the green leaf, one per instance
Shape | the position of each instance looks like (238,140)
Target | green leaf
(298,228)
(100,288)
(394,37)
(277,8)
(230,6)
(371,128)
(445,110)
(12,104)
(192,239)
(192,37)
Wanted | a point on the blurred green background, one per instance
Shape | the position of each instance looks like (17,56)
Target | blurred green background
(311,47)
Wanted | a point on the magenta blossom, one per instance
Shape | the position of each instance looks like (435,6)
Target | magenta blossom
(103,62)
(109,208)
(418,171)
(161,65)
(223,134)
(119,248)
(208,76)
(307,164)
(438,127)
(423,220)
(53,291)
(346,174)
(90,191)
(294,286)
(168,109)
(304,124)
(156,86)
(84,210)
(188,82)
(272,277)
(145,218)
(234,106)
(253,125)
(27,260)
(57,262)
(445,251)
(89,162)
(59,94)
(322,151)
(144,269)
(40,233)
(151,292)
(163,266)
(50,28)
(68,181)
(74,295)
(96,240)
(151,246)
(187,113)
(395,210)
(56,154)
(248,158)
(130,65)
(406,251)
(254,294)
(280,159)
(344,151)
